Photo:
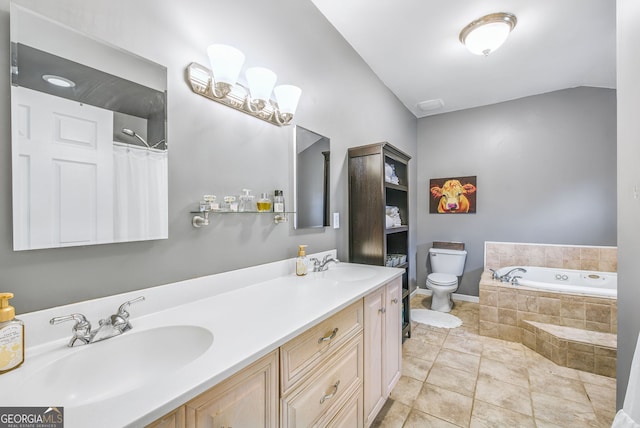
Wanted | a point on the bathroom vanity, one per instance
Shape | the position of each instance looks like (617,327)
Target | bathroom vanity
(253,347)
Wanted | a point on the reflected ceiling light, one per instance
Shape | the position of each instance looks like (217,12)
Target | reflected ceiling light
(220,84)
(486,34)
(58,81)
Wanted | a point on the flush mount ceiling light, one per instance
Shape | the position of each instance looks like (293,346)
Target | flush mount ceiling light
(486,34)
(58,81)
(220,84)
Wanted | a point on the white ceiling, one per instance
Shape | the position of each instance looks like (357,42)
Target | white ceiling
(413,47)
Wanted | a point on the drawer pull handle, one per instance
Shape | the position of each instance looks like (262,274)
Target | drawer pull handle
(382,310)
(328,338)
(395,300)
(329,396)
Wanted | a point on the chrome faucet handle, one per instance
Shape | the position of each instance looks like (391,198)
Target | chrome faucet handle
(494,274)
(328,258)
(316,264)
(122,310)
(81,329)
(120,320)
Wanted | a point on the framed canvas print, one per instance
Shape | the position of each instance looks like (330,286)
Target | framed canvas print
(453,195)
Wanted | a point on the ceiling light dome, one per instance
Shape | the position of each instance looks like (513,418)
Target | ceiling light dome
(486,34)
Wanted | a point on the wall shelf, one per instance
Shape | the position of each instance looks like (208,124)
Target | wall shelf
(201,218)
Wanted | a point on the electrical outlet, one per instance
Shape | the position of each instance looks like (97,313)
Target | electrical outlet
(336,220)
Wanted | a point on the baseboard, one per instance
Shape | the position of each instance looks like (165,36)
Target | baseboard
(455,296)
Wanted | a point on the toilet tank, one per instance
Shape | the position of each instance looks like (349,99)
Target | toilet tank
(447,261)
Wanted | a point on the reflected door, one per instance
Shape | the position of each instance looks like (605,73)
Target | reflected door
(64,194)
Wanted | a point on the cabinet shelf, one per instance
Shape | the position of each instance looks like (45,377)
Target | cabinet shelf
(396,229)
(396,187)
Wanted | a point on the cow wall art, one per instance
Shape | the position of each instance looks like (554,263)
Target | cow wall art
(455,195)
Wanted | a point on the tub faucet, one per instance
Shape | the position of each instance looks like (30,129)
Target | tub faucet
(114,325)
(321,266)
(507,277)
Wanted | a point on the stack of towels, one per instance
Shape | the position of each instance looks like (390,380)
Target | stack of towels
(393,217)
(390,174)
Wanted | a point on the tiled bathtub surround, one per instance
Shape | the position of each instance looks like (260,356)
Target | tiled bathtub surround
(506,312)
(501,254)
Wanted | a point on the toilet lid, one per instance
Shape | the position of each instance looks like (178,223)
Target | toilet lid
(442,279)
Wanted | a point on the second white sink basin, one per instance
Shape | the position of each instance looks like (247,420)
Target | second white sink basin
(347,272)
(117,365)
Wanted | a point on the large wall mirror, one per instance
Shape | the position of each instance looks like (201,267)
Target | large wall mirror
(311,179)
(88,139)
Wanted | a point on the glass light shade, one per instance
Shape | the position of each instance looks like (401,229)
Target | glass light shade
(487,38)
(261,81)
(287,97)
(226,62)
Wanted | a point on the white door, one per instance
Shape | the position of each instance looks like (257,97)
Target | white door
(62,171)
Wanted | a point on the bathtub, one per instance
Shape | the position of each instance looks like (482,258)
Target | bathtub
(567,280)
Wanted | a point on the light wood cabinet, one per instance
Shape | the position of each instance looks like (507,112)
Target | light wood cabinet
(382,346)
(175,419)
(247,399)
(371,239)
(300,356)
(317,401)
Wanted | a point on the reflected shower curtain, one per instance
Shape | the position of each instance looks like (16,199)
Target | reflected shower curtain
(140,193)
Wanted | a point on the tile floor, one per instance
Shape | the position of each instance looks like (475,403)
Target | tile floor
(457,378)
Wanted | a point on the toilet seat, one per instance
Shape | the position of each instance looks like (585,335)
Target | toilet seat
(442,279)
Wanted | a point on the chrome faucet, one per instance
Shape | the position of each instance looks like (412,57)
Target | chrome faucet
(321,266)
(508,277)
(114,325)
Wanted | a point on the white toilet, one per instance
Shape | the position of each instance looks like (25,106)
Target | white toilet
(446,266)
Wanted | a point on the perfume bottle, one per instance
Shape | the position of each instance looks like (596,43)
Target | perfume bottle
(246,201)
(264,203)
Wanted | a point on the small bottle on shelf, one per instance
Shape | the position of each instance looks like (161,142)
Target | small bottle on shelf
(278,202)
(264,203)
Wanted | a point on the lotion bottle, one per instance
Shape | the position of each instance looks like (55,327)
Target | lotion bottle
(11,336)
(301,261)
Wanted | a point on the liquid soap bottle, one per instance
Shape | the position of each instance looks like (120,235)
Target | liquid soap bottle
(302,262)
(11,336)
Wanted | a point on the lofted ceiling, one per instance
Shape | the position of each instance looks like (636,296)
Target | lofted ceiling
(413,47)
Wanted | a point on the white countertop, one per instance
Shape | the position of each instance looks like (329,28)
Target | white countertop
(246,323)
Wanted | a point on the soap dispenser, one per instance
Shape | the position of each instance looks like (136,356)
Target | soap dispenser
(302,262)
(11,336)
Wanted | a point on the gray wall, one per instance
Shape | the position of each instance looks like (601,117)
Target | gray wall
(546,168)
(213,149)
(628,67)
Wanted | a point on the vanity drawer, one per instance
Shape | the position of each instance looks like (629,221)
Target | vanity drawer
(322,397)
(302,354)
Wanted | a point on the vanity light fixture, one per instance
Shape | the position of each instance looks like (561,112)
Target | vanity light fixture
(63,82)
(220,84)
(486,34)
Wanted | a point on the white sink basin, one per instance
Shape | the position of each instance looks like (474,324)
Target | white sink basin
(114,366)
(346,272)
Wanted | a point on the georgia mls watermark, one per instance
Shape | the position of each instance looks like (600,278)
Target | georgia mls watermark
(31,417)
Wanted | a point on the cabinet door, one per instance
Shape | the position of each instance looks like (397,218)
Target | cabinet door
(247,399)
(374,391)
(392,338)
(174,419)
